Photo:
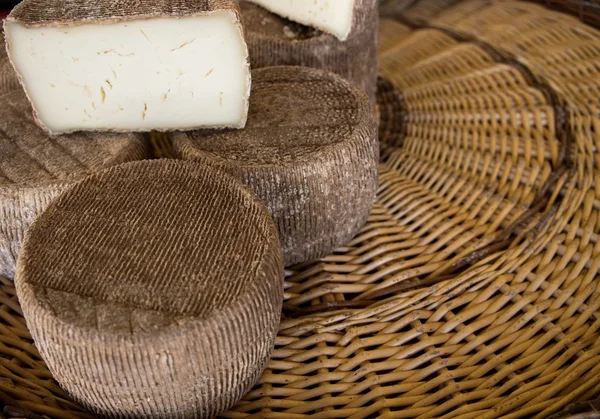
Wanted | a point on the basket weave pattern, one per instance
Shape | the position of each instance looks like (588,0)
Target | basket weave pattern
(493,154)
(472,291)
(391,32)
(422,11)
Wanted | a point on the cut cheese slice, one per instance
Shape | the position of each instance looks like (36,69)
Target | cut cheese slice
(274,41)
(8,77)
(35,168)
(154,290)
(331,16)
(131,66)
(309,151)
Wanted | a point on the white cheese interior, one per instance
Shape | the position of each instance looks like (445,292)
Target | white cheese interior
(138,75)
(331,16)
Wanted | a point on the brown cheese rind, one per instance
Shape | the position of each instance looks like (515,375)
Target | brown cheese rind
(35,168)
(8,77)
(154,289)
(275,41)
(309,151)
(36,13)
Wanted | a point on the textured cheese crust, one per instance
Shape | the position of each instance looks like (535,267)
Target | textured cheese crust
(310,151)
(132,70)
(8,78)
(35,168)
(154,290)
(331,16)
(274,41)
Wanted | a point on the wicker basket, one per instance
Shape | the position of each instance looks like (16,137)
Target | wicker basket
(472,292)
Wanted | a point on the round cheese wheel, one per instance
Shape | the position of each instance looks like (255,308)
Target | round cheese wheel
(154,289)
(8,78)
(309,151)
(275,41)
(34,168)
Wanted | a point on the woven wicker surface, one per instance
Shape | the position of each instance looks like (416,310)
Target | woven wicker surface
(394,7)
(586,10)
(424,10)
(390,33)
(472,290)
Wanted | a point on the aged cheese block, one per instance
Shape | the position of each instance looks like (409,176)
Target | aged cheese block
(8,77)
(310,151)
(331,16)
(154,290)
(130,65)
(274,41)
(35,167)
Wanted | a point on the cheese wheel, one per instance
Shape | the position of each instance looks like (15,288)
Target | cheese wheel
(8,77)
(309,151)
(274,41)
(35,168)
(154,289)
(130,65)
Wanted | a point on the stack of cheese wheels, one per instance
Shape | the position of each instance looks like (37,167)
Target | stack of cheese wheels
(346,44)
(35,167)
(154,289)
(309,151)
(8,78)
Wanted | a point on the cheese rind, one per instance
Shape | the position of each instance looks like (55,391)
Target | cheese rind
(146,68)
(8,77)
(274,41)
(310,151)
(331,16)
(154,290)
(35,168)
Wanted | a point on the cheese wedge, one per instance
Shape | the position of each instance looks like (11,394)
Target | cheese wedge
(274,41)
(35,168)
(154,290)
(310,151)
(131,66)
(331,16)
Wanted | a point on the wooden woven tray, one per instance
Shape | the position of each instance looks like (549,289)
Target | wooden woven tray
(472,292)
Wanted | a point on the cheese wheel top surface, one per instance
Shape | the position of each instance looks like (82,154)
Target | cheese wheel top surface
(294,112)
(165,237)
(29,156)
